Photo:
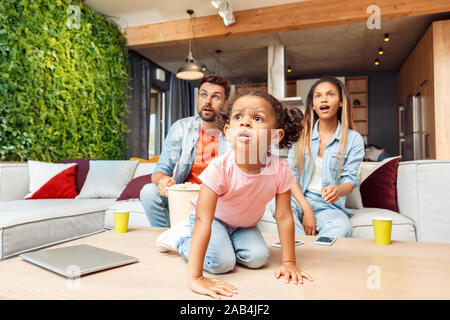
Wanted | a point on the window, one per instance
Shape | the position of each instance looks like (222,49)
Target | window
(155,134)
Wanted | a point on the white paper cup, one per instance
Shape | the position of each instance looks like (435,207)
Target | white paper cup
(179,202)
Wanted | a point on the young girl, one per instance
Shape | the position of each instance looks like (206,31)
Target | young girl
(328,155)
(234,192)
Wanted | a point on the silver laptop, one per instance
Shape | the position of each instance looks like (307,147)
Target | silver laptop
(75,261)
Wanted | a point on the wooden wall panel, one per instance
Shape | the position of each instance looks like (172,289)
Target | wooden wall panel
(417,68)
(441,43)
(428,127)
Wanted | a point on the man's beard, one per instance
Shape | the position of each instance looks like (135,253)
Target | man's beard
(209,118)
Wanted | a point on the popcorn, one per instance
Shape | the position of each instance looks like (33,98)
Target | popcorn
(188,186)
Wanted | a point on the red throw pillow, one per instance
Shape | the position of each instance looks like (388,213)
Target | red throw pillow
(379,190)
(133,189)
(83,169)
(52,181)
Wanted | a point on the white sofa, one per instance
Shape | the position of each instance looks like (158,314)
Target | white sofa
(423,202)
(32,224)
(422,195)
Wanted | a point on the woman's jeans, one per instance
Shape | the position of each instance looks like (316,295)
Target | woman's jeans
(330,220)
(228,246)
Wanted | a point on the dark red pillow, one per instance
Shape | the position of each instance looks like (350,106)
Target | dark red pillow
(379,190)
(133,189)
(82,171)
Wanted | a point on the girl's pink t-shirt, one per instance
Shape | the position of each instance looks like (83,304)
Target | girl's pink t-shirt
(243,197)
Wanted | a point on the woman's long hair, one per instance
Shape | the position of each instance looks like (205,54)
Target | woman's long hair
(345,116)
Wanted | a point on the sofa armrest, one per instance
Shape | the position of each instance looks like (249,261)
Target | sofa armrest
(422,196)
(14,181)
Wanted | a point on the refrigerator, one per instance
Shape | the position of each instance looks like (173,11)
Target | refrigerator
(410,129)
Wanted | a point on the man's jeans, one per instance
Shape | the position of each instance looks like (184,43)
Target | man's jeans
(229,246)
(156,206)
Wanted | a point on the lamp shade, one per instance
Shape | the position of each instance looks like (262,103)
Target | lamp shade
(190,71)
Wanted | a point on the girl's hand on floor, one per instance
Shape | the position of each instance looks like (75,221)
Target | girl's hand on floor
(290,270)
(330,194)
(212,287)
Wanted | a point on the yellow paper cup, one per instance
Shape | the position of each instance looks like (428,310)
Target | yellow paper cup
(121,221)
(382,228)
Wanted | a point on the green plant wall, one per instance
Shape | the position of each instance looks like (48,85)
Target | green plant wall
(63,82)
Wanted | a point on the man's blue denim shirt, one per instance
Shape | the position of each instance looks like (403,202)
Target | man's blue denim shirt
(178,151)
(354,154)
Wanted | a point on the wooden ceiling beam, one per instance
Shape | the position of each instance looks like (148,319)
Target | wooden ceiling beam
(287,17)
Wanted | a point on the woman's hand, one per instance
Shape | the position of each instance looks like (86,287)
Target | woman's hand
(212,287)
(331,193)
(290,271)
(309,221)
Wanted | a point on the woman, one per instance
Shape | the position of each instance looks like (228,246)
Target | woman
(325,162)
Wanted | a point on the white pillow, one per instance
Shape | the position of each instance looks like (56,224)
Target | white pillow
(354,199)
(107,178)
(144,168)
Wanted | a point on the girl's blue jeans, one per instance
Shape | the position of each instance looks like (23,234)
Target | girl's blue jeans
(228,246)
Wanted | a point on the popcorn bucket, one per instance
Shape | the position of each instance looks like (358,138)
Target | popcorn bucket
(179,201)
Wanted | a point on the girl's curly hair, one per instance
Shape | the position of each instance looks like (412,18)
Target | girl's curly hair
(290,120)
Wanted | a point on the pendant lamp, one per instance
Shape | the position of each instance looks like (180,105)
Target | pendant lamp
(190,70)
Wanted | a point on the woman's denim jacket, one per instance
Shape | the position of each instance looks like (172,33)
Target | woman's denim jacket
(178,151)
(354,154)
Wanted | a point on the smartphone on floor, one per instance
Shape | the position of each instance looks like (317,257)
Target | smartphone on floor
(327,241)
(278,244)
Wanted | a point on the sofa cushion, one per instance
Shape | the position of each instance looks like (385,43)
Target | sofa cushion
(379,190)
(107,178)
(134,206)
(402,227)
(14,181)
(52,180)
(31,224)
(355,200)
(133,189)
(144,168)
(423,197)
(362,225)
(82,171)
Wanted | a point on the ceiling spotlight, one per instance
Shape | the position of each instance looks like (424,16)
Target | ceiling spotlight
(376,62)
(190,70)
(203,68)
(289,69)
(386,37)
(225,11)
(380,51)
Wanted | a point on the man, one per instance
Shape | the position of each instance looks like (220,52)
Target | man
(189,146)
